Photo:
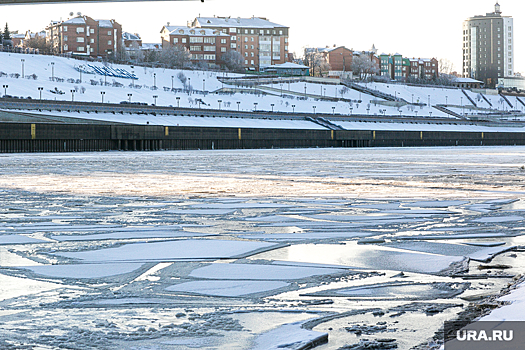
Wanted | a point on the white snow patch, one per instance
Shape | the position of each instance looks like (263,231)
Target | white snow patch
(288,336)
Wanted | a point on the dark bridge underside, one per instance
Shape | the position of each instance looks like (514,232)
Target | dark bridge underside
(26,2)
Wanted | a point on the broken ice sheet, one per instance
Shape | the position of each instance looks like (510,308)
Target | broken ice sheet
(231,288)
(260,272)
(362,256)
(15,287)
(18,239)
(139,234)
(84,271)
(397,291)
(172,250)
(289,336)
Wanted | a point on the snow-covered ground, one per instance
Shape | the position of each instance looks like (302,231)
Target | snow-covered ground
(39,72)
(254,249)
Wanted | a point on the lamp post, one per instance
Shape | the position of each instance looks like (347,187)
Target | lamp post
(102,93)
(430,114)
(72,95)
(189,86)
(172,82)
(40,89)
(132,76)
(446,101)
(80,73)
(5,89)
(273,104)
(178,102)
(255,106)
(22,60)
(154,81)
(333,110)
(412,98)
(314,107)
(293,108)
(351,110)
(429,100)
(219,101)
(238,106)
(305,90)
(203,85)
(53,71)
(155,99)
(129,97)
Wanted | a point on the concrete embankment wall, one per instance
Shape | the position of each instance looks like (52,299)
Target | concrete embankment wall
(42,137)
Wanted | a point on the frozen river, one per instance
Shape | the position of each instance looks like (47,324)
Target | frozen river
(254,249)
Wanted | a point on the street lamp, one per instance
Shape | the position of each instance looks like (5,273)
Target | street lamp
(178,102)
(446,101)
(314,108)
(203,85)
(429,100)
(102,93)
(351,110)
(154,81)
(333,110)
(430,114)
(293,108)
(80,73)
(132,76)
(255,106)
(129,97)
(53,71)
(172,82)
(22,60)
(155,99)
(273,104)
(220,101)
(238,106)
(40,89)
(72,95)
(5,89)
(189,86)
(412,98)
(305,90)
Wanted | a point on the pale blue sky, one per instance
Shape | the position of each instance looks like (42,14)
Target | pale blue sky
(413,28)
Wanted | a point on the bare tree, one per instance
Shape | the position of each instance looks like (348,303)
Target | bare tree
(446,66)
(39,42)
(175,56)
(316,61)
(363,66)
(233,60)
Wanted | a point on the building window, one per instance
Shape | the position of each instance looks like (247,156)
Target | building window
(80,39)
(65,28)
(252,62)
(184,40)
(234,38)
(209,48)
(65,37)
(109,32)
(92,31)
(245,61)
(252,47)
(65,47)
(246,54)
(80,48)
(196,39)
(175,40)
(209,40)
(233,45)
(223,41)
(80,30)
(195,48)
(223,49)
(92,41)
(109,42)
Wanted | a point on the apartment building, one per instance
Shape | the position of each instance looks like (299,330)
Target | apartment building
(397,67)
(261,43)
(488,47)
(85,36)
(205,45)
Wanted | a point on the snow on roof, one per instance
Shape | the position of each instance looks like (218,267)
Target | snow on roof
(76,20)
(466,80)
(289,65)
(104,23)
(129,36)
(180,30)
(228,22)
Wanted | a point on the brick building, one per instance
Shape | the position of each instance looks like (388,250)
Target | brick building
(205,45)
(84,36)
(260,42)
(396,67)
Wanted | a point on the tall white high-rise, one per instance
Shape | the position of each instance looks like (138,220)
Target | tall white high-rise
(488,47)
